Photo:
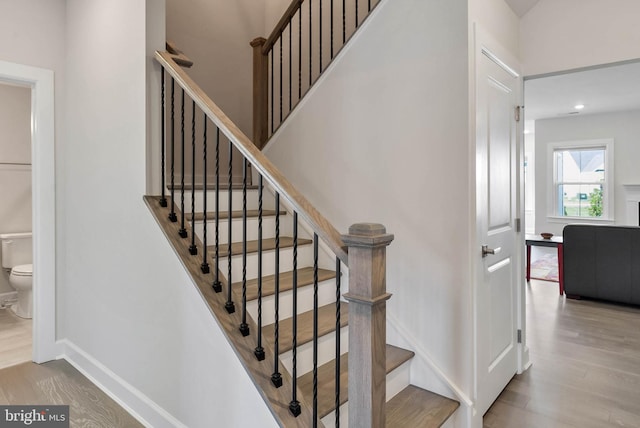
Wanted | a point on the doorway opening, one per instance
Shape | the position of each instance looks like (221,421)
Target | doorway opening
(41,83)
(15,218)
(569,175)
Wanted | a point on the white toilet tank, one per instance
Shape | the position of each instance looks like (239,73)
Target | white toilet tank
(17,249)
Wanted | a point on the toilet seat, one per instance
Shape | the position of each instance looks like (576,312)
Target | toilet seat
(22,270)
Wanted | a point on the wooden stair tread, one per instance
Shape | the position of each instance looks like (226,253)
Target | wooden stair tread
(416,407)
(234,186)
(224,215)
(305,277)
(326,325)
(326,379)
(252,246)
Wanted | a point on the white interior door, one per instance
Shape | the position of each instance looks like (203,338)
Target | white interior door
(496,293)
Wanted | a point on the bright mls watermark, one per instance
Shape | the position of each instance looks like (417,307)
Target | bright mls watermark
(34,416)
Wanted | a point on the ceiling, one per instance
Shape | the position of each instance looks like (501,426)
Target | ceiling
(520,7)
(600,90)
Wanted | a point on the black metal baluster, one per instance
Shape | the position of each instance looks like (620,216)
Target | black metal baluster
(332,51)
(172,215)
(163,199)
(310,45)
(276,378)
(344,22)
(217,285)
(300,54)
(204,267)
(290,62)
(357,13)
(259,352)
(182,232)
(294,406)
(369,4)
(337,375)
(320,35)
(315,330)
(273,112)
(193,250)
(229,305)
(280,80)
(244,327)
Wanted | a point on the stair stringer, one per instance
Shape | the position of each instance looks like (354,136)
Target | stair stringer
(276,399)
(425,373)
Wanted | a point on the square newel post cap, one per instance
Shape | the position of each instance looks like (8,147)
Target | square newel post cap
(258,41)
(367,235)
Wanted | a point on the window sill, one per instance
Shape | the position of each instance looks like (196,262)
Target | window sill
(587,220)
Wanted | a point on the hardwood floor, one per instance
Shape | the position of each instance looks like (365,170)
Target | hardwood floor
(15,337)
(586,366)
(57,382)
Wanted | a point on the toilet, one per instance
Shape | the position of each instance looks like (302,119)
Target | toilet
(17,255)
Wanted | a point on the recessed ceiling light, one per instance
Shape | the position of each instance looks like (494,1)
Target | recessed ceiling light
(579,106)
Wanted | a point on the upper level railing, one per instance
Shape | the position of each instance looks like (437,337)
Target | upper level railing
(190,120)
(286,64)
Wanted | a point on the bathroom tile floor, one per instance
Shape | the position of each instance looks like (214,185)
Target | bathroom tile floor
(15,339)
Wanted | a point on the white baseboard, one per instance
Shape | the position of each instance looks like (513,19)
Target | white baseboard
(393,325)
(141,407)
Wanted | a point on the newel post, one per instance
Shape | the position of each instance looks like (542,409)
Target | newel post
(260,93)
(367,299)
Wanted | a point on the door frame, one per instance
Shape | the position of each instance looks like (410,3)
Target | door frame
(484,42)
(41,82)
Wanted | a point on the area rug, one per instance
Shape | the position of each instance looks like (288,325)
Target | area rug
(545,268)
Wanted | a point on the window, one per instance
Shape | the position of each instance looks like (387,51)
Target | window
(582,180)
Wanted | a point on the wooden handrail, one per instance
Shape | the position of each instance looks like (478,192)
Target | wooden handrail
(178,56)
(259,161)
(282,24)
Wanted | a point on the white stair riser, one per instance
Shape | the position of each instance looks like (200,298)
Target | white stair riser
(326,295)
(326,352)
(397,380)
(236,201)
(268,229)
(305,258)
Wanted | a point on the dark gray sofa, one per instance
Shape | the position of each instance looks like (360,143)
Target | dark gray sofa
(602,262)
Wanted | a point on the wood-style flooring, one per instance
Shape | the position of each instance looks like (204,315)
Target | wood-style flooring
(586,366)
(15,339)
(57,382)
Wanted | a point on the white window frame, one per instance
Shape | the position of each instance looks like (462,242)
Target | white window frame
(608,187)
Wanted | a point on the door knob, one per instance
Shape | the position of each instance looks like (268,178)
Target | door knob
(486,250)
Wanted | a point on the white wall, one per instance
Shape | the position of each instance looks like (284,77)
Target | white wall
(125,300)
(216,36)
(382,138)
(498,19)
(273,11)
(561,35)
(623,127)
(15,124)
(32,33)
(15,160)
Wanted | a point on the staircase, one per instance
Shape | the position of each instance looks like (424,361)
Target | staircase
(302,305)
(407,406)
